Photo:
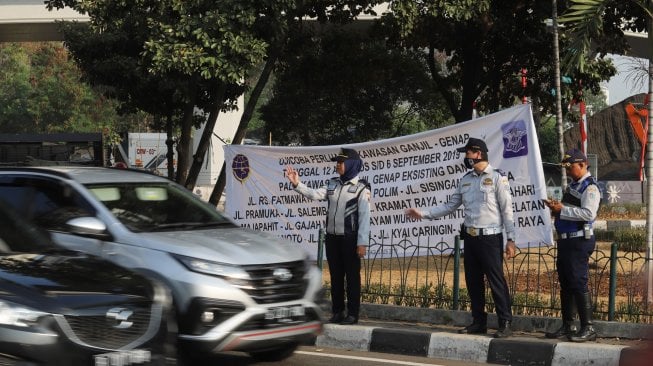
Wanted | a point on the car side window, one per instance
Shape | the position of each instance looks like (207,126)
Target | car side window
(49,203)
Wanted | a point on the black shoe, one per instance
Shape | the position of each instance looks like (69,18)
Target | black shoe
(585,334)
(564,332)
(350,319)
(473,328)
(504,330)
(337,318)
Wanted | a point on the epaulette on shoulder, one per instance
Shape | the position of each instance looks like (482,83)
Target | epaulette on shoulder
(468,173)
(364,183)
(501,172)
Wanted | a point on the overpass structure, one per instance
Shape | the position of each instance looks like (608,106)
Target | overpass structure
(30,21)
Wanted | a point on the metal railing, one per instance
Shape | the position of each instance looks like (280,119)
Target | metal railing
(429,274)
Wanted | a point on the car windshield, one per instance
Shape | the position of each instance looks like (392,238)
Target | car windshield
(156,207)
(19,236)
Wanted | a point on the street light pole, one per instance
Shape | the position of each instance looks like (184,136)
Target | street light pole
(649,167)
(559,121)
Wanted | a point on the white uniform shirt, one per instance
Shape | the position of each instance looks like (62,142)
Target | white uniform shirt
(487,200)
(589,202)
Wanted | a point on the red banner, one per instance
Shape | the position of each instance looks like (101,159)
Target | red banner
(639,120)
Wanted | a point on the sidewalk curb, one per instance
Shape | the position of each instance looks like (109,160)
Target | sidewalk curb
(472,348)
(609,329)
(426,333)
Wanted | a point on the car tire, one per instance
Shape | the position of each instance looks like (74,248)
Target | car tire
(274,355)
(175,355)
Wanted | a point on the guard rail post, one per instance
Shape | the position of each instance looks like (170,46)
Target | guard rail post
(320,250)
(613,281)
(456,273)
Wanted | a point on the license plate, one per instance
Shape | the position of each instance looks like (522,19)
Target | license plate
(285,313)
(123,358)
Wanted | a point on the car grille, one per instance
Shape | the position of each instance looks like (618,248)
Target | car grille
(259,322)
(266,288)
(10,361)
(93,328)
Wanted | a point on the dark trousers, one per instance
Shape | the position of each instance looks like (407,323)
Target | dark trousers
(484,259)
(344,267)
(573,263)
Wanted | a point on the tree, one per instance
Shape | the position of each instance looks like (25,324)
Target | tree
(475,51)
(211,45)
(276,28)
(42,92)
(596,27)
(196,54)
(340,87)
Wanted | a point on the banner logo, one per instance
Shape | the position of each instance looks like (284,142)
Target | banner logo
(515,139)
(240,167)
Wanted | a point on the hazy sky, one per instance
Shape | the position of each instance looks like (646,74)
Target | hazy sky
(630,79)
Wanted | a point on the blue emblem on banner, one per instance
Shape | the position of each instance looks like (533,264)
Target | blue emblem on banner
(515,139)
(240,167)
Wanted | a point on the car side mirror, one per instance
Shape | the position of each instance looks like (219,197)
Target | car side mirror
(88,226)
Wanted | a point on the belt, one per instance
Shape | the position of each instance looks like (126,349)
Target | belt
(482,231)
(575,234)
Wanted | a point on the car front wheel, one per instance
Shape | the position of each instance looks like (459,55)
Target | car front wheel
(276,354)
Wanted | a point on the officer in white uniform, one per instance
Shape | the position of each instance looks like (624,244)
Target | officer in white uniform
(347,231)
(574,217)
(485,194)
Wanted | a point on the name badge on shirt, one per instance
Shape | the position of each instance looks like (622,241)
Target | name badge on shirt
(487,181)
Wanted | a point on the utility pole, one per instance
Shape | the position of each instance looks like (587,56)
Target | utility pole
(559,121)
(649,165)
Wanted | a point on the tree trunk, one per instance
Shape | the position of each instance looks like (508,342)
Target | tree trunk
(244,122)
(219,186)
(184,147)
(205,140)
(439,84)
(170,143)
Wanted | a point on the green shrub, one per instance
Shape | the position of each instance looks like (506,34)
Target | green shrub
(622,211)
(376,293)
(603,235)
(425,295)
(631,312)
(631,239)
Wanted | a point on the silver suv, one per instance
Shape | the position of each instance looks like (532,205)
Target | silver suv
(234,289)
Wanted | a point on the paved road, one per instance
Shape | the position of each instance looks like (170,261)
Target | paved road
(315,356)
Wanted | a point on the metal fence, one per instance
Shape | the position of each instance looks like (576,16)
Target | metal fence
(430,274)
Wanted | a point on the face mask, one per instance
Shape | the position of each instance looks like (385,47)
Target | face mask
(469,162)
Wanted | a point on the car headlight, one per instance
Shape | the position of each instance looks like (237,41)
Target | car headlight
(18,315)
(213,268)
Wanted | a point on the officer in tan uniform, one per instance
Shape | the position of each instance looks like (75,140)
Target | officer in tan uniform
(485,194)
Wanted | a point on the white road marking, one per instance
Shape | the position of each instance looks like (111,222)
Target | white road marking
(381,360)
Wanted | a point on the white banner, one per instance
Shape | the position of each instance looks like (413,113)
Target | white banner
(419,170)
